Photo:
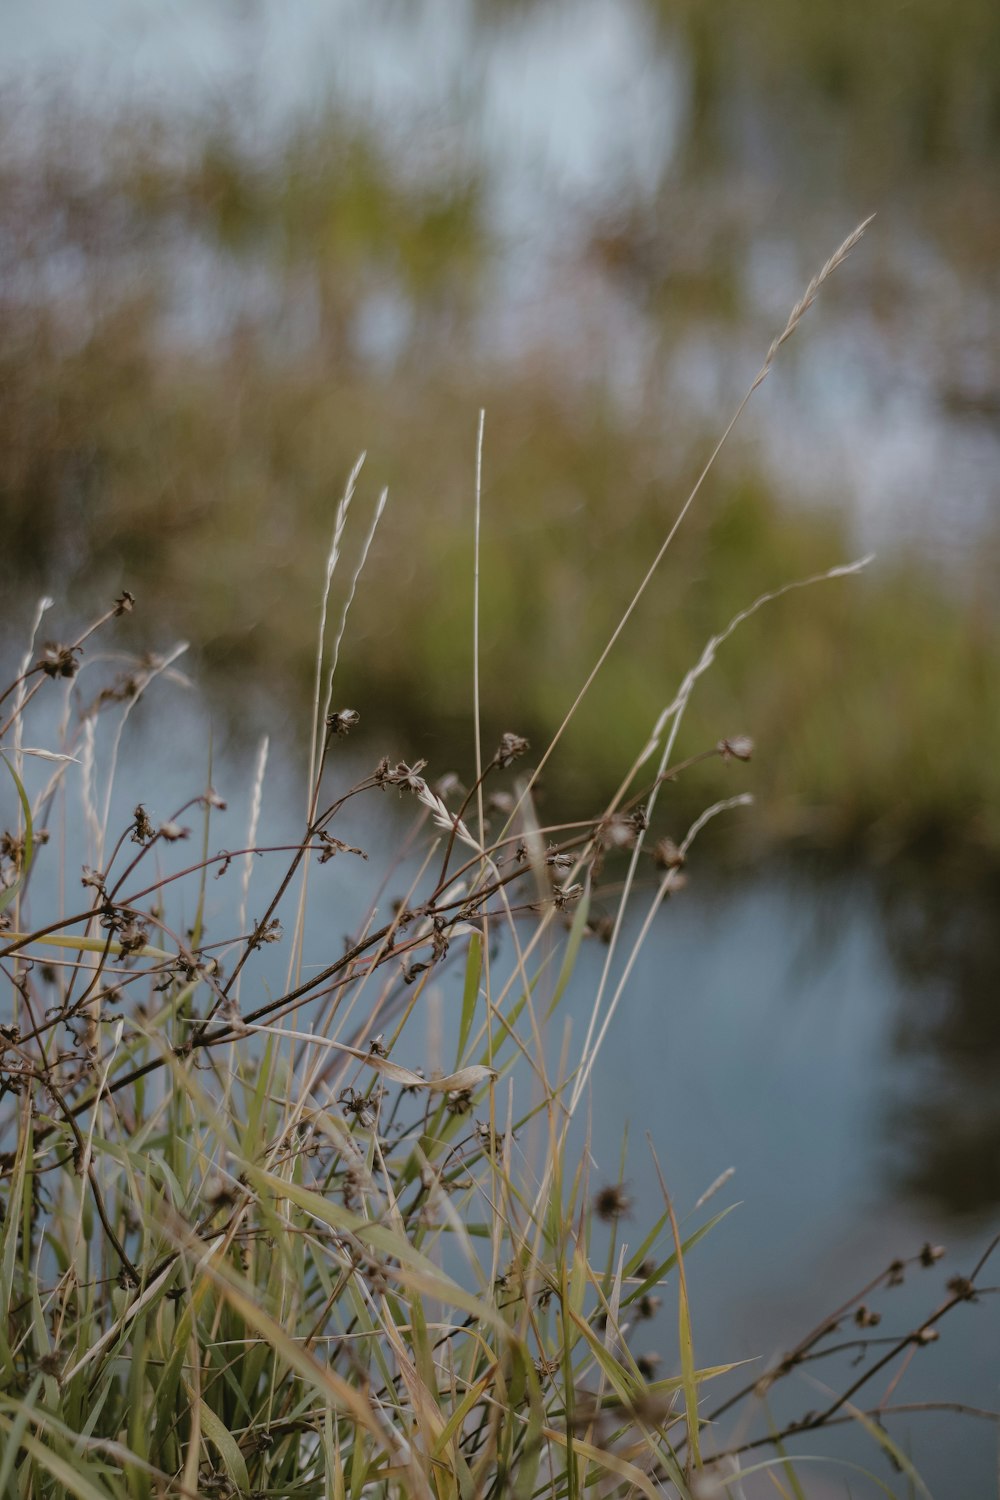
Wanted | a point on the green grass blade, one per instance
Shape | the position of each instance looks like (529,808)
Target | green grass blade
(10,894)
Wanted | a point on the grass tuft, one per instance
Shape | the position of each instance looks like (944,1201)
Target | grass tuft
(249,1244)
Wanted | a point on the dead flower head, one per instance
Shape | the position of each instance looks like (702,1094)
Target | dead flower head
(143,830)
(343,721)
(511,747)
(59,661)
(667,856)
(740,747)
(612,1202)
(618,832)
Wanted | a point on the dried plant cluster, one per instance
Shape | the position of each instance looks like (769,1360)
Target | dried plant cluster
(244,1250)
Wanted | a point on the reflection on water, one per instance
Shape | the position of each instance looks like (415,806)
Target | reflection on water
(788,1025)
(942,937)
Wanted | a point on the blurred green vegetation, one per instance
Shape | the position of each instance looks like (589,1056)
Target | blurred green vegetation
(197,337)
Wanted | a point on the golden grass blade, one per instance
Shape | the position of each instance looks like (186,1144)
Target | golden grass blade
(688,1373)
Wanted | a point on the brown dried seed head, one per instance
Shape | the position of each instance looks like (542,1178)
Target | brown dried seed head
(59,661)
(740,747)
(510,748)
(343,721)
(612,1202)
(667,855)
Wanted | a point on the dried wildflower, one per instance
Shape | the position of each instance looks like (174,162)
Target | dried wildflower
(59,661)
(931,1254)
(342,722)
(400,774)
(459,1101)
(667,855)
(143,830)
(212,799)
(612,1202)
(215,1482)
(648,1364)
(895,1277)
(961,1286)
(266,932)
(740,747)
(865,1318)
(132,937)
(125,603)
(488,1138)
(359,1106)
(353,1187)
(927,1336)
(648,1305)
(500,802)
(173,831)
(12,848)
(332,846)
(124,688)
(511,747)
(617,832)
(376,1045)
(563,895)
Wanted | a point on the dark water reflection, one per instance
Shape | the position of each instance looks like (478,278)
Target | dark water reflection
(812,1032)
(934,1090)
(942,937)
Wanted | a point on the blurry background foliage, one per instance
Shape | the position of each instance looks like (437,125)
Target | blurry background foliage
(202,323)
